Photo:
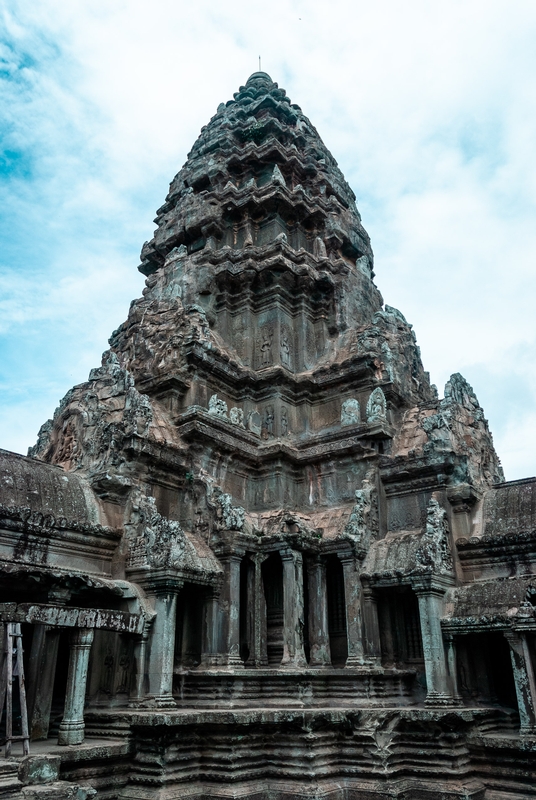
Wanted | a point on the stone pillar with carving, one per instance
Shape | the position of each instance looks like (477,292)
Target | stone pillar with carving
(140,660)
(258,656)
(431,598)
(293,616)
(230,604)
(210,649)
(452,664)
(371,626)
(433,559)
(72,725)
(524,679)
(318,613)
(162,643)
(352,597)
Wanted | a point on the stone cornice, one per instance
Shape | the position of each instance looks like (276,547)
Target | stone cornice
(23,520)
(197,423)
(403,474)
(490,549)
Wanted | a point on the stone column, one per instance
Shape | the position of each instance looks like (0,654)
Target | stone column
(140,659)
(318,613)
(258,656)
(371,625)
(435,665)
(352,596)
(293,652)
(72,725)
(162,651)
(210,654)
(452,667)
(231,604)
(41,674)
(524,680)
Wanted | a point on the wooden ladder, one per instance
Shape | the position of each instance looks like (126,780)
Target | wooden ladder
(13,647)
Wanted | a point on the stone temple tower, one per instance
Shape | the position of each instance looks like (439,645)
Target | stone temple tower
(275,562)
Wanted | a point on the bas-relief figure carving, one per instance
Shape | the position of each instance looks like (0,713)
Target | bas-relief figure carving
(350,413)
(376,406)
(160,541)
(236,415)
(372,583)
(434,550)
(284,422)
(285,350)
(269,421)
(217,407)
(266,350)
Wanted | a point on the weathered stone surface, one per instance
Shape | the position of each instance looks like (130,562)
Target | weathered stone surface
(288,569)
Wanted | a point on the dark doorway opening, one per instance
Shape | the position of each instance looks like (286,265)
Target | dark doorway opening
(189,630)
(485,672)
(272,576)
(247,578)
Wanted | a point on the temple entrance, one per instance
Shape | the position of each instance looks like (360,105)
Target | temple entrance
(272,576)
(338,641)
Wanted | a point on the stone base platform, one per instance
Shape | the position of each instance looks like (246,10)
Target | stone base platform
(367,753)
(279,688)
(351,753)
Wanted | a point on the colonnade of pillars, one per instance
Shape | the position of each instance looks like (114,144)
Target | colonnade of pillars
(221,636)
(294,613)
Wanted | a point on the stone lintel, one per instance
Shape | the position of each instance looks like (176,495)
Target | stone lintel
(64,617)
(463,626)
(158,579)
(431,583)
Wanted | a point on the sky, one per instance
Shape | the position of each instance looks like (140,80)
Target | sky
(428,107)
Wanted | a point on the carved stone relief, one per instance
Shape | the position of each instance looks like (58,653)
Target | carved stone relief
(268,426)
(254,423)
(285,349)
(217,407)
(376,406)
(284,422)
(265,348)
(350,413)
(433,553)
(236,415)
(231,517)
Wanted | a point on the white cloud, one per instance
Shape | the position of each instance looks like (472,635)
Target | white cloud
(429,109)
